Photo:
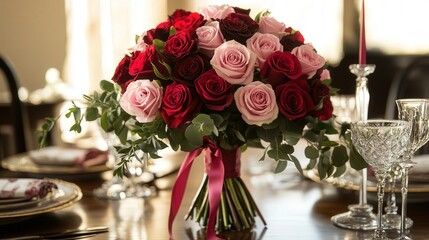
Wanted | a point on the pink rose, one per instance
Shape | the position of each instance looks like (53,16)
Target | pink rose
(309,59)
(142,99)
(209,38)
(234,62)
(257,103)
(325,74)
(264,44)
(216,11)
(270,25)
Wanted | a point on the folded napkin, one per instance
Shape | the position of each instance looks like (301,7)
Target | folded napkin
(68,156)
(25,187)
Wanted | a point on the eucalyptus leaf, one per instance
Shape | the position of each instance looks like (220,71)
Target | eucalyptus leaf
(194,136)
(91,114)
(107,86)
(311,152)
(297,163)
(339,156)
(280,167)
(339,171)
(356,160)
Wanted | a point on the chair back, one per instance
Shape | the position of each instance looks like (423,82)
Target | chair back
(18,116)
(411,82)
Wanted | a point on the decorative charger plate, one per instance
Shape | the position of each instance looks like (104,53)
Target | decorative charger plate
(418,186)
(23,163)
(67,194)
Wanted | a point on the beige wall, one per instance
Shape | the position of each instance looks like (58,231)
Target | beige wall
(33,37)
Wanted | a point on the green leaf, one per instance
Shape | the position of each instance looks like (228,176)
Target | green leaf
(107,86)
(322,168)
(311,152)
(194,136)
(267,135)
(297,163)
(204,124)
(104,122)
(172,31)
(329,129)
(263,155)
(339,156)
(331,170)
(311,164)
(282,152)
(339,171)
(280,167)
(123,135)
(239,135)
(76,127)
(91,114)
(159,44)
(356,160)
(327,82)
(291,138)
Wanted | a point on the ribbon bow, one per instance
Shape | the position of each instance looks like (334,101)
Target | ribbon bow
(215,172)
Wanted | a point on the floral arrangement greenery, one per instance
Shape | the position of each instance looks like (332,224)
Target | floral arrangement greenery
(221,77)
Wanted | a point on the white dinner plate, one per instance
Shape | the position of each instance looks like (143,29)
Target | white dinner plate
(67,194)
(24,163)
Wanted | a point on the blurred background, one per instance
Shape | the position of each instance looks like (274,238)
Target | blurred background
(61,49)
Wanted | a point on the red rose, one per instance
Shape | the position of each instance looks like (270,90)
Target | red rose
(294,100)
(320,92)
(121,75)
(177,14)
(241,10)
(193,20)
(237,26)
(180,44)
(291,40)
(179,104)
(189,68)
(216,93)
(161,32)
(141,64)
(326,111)
(281,67)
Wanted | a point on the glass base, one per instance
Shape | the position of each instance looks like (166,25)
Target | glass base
(360,217)
(117,189)
(114,189)
(403,238)
(393,221)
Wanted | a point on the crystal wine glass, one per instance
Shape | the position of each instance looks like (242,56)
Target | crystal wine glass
(380,143)
(416,111)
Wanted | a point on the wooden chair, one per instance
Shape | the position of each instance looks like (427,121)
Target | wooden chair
(411,82)
(18,117)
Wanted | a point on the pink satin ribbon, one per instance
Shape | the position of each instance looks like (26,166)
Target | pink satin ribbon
(215,174)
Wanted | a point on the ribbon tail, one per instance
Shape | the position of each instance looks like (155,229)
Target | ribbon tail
(216,177)
(180,186)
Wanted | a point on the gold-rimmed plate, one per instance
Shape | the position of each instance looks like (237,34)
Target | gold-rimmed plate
(24,163)
(67,194)
(351,180)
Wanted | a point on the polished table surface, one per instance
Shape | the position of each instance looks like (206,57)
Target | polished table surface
(294,208)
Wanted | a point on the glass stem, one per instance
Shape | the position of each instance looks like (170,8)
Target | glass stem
(379,232)
(404,191)
(391,207)
(362,189)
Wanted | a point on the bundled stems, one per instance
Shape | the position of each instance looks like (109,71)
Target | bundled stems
(237,209)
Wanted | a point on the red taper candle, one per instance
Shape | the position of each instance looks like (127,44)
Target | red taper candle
(362,43)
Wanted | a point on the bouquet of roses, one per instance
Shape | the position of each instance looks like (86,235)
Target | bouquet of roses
(219,80)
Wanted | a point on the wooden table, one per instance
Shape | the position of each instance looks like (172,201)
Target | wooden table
(294,207)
